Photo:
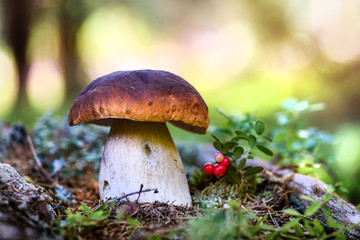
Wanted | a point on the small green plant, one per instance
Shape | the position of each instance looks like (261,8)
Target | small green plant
(75,223)
(235,223)
(244,138)
(294,140)
(238,222)
(307,226)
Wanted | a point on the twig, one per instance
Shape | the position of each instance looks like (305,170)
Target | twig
(274,220)
(37,160)
(283,195)
(32,148)
(133,193)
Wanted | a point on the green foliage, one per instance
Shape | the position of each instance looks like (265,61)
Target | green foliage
(294,141)
(307,226)
(244,138)
(75,223)
(236,223)
(239,223)
(68,151)
(289,141)
(79,223)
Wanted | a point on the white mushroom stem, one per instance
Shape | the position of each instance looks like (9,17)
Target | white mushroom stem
(142,153)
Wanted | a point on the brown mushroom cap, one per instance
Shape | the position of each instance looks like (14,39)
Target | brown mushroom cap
(142,95)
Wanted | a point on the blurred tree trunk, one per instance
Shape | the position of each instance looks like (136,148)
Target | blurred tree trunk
(17,24)
(71,16)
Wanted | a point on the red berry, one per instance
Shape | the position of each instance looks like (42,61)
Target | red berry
(209,168)
(219,170)
(219,157)
(225,162)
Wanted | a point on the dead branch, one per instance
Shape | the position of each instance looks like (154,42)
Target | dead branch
(155,190)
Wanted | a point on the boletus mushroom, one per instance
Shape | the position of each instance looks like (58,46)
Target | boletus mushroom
(139,149)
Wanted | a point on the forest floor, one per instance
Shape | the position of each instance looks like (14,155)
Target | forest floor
(221,209)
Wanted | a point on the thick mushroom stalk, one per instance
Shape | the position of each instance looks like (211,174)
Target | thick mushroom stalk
(142,153)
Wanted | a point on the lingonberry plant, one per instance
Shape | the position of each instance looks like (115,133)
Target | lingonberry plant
(244,138)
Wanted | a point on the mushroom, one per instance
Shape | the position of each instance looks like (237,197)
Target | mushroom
(139,149)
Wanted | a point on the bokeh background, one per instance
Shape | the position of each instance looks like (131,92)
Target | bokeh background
(241,55)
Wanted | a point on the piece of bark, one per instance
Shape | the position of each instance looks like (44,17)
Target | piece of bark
(341,211)
(25,212)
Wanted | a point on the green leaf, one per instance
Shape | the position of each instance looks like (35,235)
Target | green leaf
(337,235)
(88,223)
(238,151)
(263,219)
(327,213)
(218,146)
(74,218)
(326,198)
(102,207)
(253,170)
(232,175)
(85,208)
(259,127)
(133,222)
(264,150)
(229,145)
(267,138)
(308,227)
(221,131)
(333,224)
(288,236)
(290,225)
(318,227)
(312,209)
(292,212)
(252,140)
(267,227)
(241,164)
(241,134)
(308,198)
(237,138)
(299,232)
(99,215)
(251,124)
(272,236)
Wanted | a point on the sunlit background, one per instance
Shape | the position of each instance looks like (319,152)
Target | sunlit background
(241,55)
